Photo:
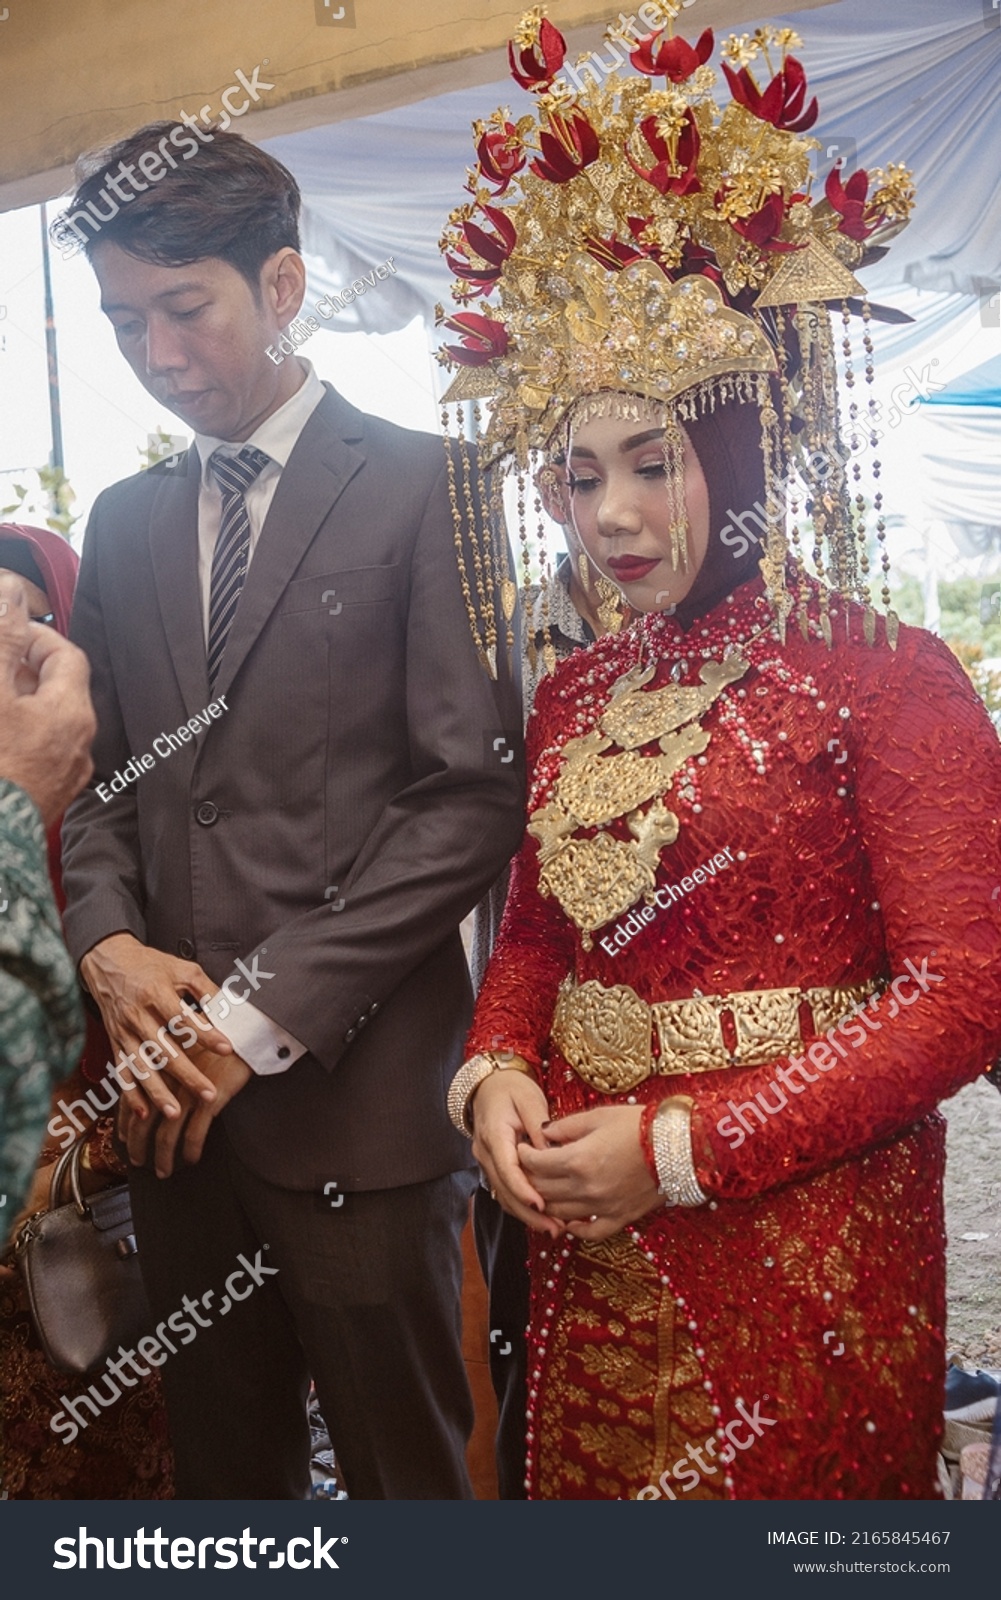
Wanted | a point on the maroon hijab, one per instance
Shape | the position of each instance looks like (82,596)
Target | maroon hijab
(52,559)
(727,442)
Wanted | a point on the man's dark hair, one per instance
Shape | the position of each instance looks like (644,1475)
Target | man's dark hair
(223,198)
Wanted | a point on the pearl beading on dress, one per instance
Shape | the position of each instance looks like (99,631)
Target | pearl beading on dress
(736,633)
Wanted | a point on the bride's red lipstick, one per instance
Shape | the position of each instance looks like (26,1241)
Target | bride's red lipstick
(631,569)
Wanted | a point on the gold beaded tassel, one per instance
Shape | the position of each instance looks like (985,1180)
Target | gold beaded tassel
(859,588)
(773,562)
(547,578)
(850,560)
(496,540)
(891,620)
(824,475)
(791,477)
(482,564)
(526,568)
(674,472)
(460,554)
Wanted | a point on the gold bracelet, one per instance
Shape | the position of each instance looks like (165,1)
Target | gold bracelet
(468,1079)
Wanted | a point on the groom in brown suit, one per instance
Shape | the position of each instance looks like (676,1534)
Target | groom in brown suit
(304,780)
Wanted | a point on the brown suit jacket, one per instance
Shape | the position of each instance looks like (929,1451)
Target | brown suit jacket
(338,820)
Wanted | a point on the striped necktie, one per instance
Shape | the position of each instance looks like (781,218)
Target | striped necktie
(231,557)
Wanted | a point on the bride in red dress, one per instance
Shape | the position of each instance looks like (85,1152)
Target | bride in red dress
(750,942)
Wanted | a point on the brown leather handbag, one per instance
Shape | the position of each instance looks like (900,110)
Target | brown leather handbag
(81,1271)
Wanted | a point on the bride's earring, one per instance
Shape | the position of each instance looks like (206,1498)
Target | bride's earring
(610,607)
(584,572)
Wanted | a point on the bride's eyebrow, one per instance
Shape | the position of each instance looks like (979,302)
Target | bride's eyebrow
(640,438)
(632,443)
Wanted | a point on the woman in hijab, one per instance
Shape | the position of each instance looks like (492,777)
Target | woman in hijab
(124,1453)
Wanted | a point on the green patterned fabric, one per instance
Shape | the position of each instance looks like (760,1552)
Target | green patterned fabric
(41,1022)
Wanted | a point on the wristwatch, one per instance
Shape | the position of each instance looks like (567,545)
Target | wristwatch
(468,1079)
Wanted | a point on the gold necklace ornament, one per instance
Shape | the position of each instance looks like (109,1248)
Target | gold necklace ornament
(597,878)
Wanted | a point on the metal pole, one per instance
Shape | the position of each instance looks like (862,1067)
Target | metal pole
(56,458)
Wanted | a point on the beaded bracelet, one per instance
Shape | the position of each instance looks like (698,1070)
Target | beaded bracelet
(468,1079)
(671,1142)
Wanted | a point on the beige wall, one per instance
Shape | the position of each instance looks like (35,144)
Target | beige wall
(76,74)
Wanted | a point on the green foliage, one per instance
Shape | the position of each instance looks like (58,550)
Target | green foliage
(48,505)
(960,605)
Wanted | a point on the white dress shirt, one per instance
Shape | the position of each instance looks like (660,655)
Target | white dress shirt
(263,1045)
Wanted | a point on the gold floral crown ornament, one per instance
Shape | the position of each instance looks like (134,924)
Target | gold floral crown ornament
(635,238)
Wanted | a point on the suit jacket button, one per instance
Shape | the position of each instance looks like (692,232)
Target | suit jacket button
(373,1008)
(207,813)
(185,949)
(361,1021)
(350,1035)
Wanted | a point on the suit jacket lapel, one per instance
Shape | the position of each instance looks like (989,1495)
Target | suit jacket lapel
(320,467)
(173,537)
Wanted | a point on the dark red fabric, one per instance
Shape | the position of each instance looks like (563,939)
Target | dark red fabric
(56,561)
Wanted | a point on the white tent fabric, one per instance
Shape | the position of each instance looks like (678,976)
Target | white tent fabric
(916,83)
(961,448)
(960,441)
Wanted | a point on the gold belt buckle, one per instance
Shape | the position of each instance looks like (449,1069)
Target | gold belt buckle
(604,1034)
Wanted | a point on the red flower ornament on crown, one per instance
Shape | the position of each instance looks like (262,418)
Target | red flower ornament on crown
(783,102)
(491,248)
(483,339)
(764,226)
(849,201)
(676,156)
(568,146)
(500,154)
(537,52)
(674,59)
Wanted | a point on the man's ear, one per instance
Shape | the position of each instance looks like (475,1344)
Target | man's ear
(283,284)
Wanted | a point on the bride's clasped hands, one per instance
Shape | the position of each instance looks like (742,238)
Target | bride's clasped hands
(584,1174)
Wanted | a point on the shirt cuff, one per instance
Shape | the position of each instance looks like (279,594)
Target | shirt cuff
(261,1043)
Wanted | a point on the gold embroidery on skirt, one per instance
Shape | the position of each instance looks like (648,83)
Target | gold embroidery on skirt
(622,1390)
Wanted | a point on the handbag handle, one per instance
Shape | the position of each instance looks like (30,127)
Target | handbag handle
(69,1162)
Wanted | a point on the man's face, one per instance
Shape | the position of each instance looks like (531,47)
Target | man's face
(196,338)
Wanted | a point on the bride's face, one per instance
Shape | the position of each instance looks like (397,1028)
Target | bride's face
(620,502)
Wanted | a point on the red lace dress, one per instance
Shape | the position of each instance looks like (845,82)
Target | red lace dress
(786,1339)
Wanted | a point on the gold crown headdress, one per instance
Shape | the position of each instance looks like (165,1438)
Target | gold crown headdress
(634,238)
